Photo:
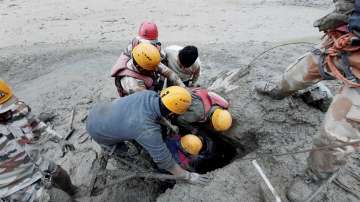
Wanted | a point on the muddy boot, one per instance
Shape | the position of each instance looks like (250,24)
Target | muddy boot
(304,186)
(62,180)
(270,89)
(318,96)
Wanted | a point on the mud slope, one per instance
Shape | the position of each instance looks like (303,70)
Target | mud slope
(56,79)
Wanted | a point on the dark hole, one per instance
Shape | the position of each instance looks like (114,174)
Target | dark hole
(221,151)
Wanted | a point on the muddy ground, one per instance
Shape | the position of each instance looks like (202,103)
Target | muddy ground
(57,55)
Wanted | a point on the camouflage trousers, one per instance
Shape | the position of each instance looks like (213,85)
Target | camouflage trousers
(37,193)
(342,120)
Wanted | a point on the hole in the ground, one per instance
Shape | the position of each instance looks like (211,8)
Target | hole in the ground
(221,150)
(224,151)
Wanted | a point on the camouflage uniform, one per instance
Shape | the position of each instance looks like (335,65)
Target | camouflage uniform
(195,114)
(21,165)
(342,120)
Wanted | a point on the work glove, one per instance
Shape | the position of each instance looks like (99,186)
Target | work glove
(197,179)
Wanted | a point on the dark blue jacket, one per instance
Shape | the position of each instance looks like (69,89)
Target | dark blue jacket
(134,117)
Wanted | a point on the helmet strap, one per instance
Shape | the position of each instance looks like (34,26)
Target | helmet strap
(163,110)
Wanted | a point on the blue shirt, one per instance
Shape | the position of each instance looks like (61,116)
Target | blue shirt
(134,117)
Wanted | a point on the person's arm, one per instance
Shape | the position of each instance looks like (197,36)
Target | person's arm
(185,122)
(132,85)
(196,74)
(152,141)
(172,77)
(42,133)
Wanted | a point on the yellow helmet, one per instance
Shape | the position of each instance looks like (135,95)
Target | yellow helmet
(192,144)
(176,99)
(7,98)
(221,119)
(5,92)
(146,56)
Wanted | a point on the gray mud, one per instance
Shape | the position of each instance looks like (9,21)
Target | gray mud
(58,56)
(58,79)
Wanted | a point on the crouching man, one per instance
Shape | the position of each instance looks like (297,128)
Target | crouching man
(206,108)
(143,71)
(24,174)
(136,117)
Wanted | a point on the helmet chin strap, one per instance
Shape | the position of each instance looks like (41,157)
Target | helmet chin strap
(163,110)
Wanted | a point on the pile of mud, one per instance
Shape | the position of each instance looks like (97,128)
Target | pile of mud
(59,79)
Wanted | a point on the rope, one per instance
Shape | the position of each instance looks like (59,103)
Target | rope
(274,47)
(340,44)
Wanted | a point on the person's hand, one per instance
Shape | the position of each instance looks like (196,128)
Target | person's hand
(197,179)
(66,146)
(332,52)
(343,42)
(175,129)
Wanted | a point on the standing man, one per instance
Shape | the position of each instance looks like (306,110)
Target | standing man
(184,62)
(338,58)
(25,175)
(143,71)
(136,117)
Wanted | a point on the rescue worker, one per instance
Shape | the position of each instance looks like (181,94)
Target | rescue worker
(148,33)
(136,117)
(184,62)
(337,58)
(190,151)
(142,71)
(25,175)
(206,107)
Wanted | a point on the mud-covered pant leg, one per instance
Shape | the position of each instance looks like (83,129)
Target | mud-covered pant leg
(301,74)
(27,194)
(341,125)
(58,177)
(37,193)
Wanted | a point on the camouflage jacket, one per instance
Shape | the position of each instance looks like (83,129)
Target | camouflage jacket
(20,160)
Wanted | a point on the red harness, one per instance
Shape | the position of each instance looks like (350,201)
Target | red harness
(120,70)
(210,99)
